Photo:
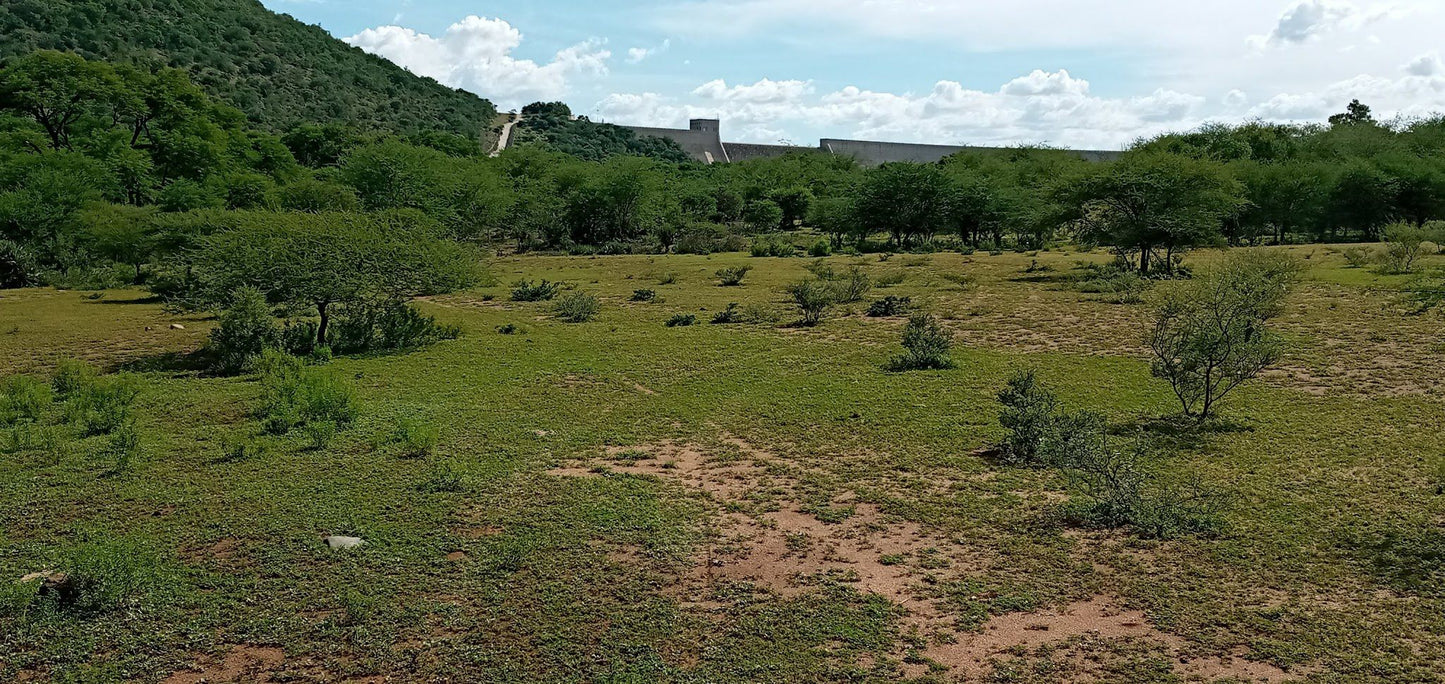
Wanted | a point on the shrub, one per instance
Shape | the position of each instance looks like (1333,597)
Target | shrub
(733,275)
(667,279)
(821,269)
(644,295)
(772,246)
(1405,243)
(1124,285)
(124,448)
(417,437)
(732,314)
(890,279)
(104,405)
(387,327)
(103,574)
(1118,491)
(527,291)
(72,376)
(851,286)
(298,338)
(508,329)
(321,433)
(759,313)
(926,345)
(294,395)
(964,281)
(813,298)
(246,329)
(890,306)
(821,248)
(1356,257)
(1210,335)
(23,398)
(681,320)
(444,478)
(576,307)
(1029,414)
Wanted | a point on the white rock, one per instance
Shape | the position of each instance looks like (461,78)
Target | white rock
(177,326)
(339,543)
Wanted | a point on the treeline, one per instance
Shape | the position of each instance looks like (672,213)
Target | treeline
(552,124)
(100,164)
(279,72)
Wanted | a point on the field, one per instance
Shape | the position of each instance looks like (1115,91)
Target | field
(624,501)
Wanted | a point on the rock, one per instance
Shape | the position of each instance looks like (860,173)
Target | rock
(340,543)
(177,326)
(52,583)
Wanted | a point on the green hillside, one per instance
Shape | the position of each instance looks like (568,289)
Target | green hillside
(277,70)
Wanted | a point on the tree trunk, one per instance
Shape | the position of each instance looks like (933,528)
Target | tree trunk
(1144,261)
(325,323)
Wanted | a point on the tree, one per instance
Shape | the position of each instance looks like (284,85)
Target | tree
(326,260)
(762,215)
(1284,198)
(1150,201)
(833,216)
(57,89)
(907,201)
(120,233)
(1210,334)
(1355,114)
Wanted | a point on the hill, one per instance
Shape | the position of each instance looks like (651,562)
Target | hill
(277,70)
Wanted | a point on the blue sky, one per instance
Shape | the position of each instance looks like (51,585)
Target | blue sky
(1076,73)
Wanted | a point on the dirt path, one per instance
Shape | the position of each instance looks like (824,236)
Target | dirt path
(506,137)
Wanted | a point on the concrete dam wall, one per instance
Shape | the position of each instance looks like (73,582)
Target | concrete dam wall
(702,139)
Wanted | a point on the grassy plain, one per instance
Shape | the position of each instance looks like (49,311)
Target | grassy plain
(622,501)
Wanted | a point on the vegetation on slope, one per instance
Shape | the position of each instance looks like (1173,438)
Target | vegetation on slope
(277,70)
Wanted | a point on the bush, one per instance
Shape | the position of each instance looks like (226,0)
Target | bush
(124,448)
(577,307)
(294,395)
(1118,491)
(681,320)
(1123,285)
(1210,335)
(926,346)
(667,279)
(759,313)
(102,574)
(387,327)
(727,316)
(732,276)
(23,398)
(813,298)
(852,286)
(1356,257)
(72,376)
(445,478)
(1030,415)
(890,279)
(644,295)
(103,406)
(772,246)
(1405,244)
(245,331)
(890,306)
(417,437)
(821,248)
(527,291)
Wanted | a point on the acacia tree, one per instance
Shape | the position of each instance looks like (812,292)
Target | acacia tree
(326,260)
(57,89)
(1210,334)
(907,201)
(1148,202)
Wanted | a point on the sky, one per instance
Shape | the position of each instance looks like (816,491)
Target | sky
(1085,74)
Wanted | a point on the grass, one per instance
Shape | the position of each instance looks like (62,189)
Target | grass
(1329,563)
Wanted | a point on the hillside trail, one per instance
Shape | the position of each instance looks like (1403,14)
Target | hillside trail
(506,137)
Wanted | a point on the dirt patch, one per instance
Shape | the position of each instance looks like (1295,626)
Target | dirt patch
(1100,619)
(244,663)
(456,556)
(724,479)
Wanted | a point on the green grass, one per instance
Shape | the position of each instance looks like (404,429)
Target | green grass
(1331,464)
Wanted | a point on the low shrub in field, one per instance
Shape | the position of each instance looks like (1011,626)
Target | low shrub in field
(245,330)
(644,295)
(385,328)
(890,279)
(851,286)
(102,406)
(72,376)
(821,248)
(681,320)
(294,395)
(813,299)
(667,279)
(772,246)
(926,346)
(890,306)
(759,313)
(124,449)
(101,574)
(733,275)
(1121,285)
(1404,245)
(527,291)
(23,399)
(964,281)
(1119,491)
(416,437)
(444,478)
(1356,257)
(730,315)
(1030,415)
(576,307)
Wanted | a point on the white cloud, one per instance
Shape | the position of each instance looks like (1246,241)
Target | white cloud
(1043,107)
(1310,18)
(476,54)
(1426,65)
(638,54)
